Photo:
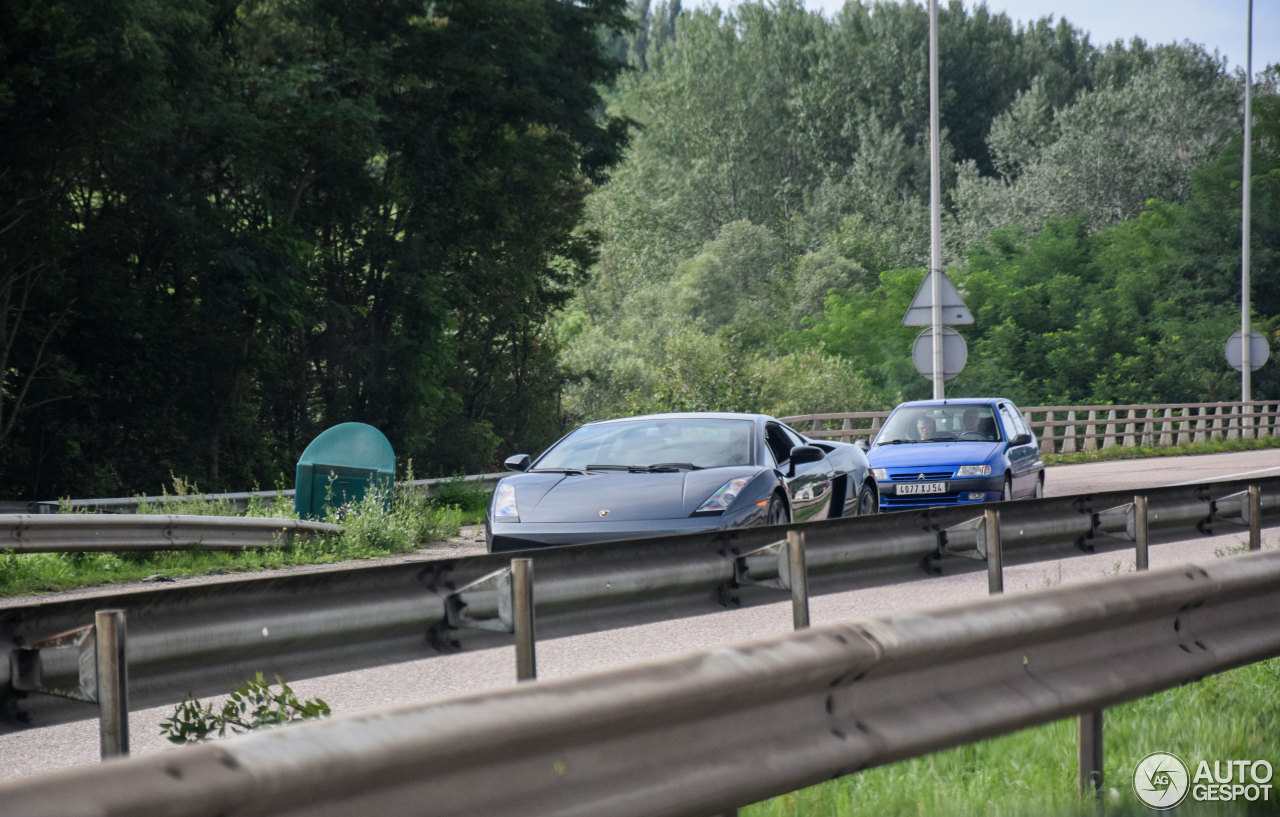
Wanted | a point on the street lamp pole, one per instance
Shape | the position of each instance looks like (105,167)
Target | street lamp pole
(1246,341)
(935,202)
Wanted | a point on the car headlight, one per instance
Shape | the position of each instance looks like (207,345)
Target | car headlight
(880,474)
(724,496)
(974,471)
(504,503)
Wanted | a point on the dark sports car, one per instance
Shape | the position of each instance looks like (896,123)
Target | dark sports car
(675,473)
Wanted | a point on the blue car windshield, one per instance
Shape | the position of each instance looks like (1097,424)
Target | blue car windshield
(949,423)
(652,444)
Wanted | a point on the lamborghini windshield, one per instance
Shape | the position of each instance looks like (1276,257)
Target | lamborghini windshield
(652,445)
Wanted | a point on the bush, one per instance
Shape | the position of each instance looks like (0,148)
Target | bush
(252,705)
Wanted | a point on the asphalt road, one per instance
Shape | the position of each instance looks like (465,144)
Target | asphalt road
(39,750)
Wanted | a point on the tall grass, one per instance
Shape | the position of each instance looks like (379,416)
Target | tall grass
(1124,452)
(383,523)
(1234,715)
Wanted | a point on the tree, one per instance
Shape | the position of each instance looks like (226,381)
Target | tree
(302,214)
(1105,155)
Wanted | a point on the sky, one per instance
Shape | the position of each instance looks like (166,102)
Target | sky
(1214,24)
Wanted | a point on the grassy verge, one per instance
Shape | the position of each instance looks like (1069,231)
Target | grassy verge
(1117,452)
(376,526)
(1231,716)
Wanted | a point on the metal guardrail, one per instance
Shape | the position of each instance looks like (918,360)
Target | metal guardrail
(707,733)
(239,500)
(1060,429)
(1070,429)
(50,533)
(206,638)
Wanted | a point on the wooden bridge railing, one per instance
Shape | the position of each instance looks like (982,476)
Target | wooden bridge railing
(1069,429)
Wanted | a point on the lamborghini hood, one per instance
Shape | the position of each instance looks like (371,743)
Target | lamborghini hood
(615,495)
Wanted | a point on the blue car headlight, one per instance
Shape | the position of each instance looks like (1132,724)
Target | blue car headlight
(881,474)
(504,503)
(724,496)
(974,471)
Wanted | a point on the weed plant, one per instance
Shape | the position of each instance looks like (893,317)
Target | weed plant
(251,705)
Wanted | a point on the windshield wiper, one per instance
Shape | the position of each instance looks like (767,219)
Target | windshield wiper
(555,471)
(672,466)
(656,468)
(894,442)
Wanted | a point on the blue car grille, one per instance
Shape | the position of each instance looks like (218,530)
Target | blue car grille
(914,475)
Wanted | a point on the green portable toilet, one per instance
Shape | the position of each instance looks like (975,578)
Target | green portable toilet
(340,466)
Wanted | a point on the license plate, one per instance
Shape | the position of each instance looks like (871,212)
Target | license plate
(922,488)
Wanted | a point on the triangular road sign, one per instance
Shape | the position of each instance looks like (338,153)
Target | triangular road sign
(920,313)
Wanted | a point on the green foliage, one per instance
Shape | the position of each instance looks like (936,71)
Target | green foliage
(465,495)
(226,228)
(1120,452)
(1105,154)
(187,498)
(252,705)
(865,329)
(738,267)
(1230,715)
(775,201)
(1137,312)
(229,226)
(374,527)
(696,373)
(812,382)
(379,524)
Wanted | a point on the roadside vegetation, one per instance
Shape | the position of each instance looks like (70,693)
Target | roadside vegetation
(251,705)
(1232,715)
(374,528)
(377,526)
(1118,452)
(221,242)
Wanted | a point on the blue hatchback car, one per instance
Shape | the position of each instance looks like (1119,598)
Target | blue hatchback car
(953,452)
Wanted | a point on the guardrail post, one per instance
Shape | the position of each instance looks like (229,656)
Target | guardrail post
(799,579)
(1090,755)
(522,609)
(113,682)
(1140,534)
(995,562)
(1255,517)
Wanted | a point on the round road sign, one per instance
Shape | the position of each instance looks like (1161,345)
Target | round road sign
(954,353)
(1259,351)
